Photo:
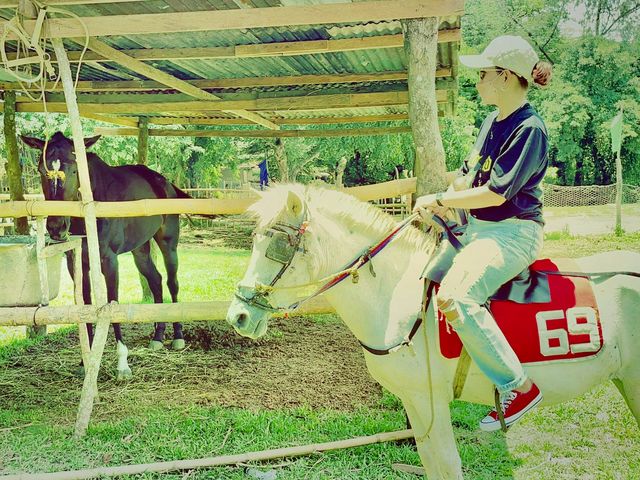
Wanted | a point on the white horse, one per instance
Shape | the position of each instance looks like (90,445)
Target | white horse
(327,229)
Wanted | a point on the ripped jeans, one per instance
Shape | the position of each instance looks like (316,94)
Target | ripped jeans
(493,253)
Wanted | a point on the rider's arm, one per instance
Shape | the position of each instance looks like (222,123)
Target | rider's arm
(479,197)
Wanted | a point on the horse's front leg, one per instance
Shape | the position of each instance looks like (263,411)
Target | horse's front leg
(110,272)
(434,436)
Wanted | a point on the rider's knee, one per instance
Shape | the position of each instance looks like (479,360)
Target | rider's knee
(447,305)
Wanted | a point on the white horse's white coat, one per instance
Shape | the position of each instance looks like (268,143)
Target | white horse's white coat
(381,310)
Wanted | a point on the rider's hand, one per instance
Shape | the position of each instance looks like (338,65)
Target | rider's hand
(427,205)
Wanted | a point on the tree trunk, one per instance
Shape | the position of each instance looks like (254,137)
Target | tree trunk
(13,167)
(342,164)
(420,44)
(281,158)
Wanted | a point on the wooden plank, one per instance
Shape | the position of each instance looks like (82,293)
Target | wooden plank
(139,24)
(125,122)
(169,80)
(248,82)
(337,132)
(135,313)
(14,3)
(279,121)
(303,47)
(312,102)
(209,206)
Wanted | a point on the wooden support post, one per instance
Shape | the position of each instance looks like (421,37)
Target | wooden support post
(14,169)
(143,140)
(420,44)
(90,386)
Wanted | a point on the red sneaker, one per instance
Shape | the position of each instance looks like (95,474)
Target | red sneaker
(514,406)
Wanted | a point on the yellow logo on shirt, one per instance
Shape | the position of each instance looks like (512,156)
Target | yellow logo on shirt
(486,166)
(473,158)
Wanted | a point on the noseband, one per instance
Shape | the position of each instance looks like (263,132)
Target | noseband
(285,243)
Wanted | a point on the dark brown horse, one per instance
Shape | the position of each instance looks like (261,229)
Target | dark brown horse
(59,175)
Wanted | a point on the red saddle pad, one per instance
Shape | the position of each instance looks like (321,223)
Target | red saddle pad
(566,328)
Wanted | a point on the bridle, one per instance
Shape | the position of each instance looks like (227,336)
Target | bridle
(286,242)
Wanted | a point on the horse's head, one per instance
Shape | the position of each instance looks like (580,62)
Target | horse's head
(282,258)
(59,175)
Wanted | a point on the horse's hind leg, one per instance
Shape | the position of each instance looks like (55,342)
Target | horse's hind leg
(167,240)
(144,263)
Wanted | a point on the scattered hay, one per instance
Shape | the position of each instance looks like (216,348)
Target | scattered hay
(300,362)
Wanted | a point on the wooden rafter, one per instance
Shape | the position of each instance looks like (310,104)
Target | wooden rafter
(277,49)
(166,79)
(392,117)
(139,24)
(125,122)
(250,82)
(336,132)
(14,3)
(311,102)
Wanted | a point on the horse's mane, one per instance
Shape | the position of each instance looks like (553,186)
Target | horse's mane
(362,216)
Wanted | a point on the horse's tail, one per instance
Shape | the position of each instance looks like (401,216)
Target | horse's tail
(183,194)
(180,193)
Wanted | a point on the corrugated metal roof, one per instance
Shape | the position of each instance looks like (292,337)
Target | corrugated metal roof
(344,62)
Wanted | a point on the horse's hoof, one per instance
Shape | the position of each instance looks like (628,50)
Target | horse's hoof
(80,372)
(124,375)
(178,344)
(155,345)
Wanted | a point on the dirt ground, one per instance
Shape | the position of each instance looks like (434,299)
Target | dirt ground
(300,362)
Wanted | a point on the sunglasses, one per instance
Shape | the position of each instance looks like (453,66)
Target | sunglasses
(483,73)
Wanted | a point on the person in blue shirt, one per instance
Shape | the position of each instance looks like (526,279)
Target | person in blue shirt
(264,174)
(499,184)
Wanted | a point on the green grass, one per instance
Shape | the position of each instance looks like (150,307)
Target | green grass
(593,437)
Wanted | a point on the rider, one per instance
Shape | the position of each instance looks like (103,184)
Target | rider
(500,184)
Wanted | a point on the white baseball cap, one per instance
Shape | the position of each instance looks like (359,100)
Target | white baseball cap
(508,52)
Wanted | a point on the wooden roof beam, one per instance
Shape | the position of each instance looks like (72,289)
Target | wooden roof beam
(275,49)
(250,82)
(391,117)
(307,102)
(166,79)
(336,132)
(234,19)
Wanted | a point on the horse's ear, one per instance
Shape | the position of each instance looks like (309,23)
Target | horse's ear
(33,142)
(88,142)
(295,204)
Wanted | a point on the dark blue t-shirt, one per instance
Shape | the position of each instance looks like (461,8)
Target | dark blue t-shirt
(512,160)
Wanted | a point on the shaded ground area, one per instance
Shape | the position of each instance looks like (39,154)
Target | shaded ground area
(300,362)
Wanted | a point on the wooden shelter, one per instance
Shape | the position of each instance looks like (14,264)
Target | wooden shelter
(267,68)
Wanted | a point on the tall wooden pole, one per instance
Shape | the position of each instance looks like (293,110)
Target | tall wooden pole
(618,194)
(90,386)
(143,140)
(13,167)
(420,44)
